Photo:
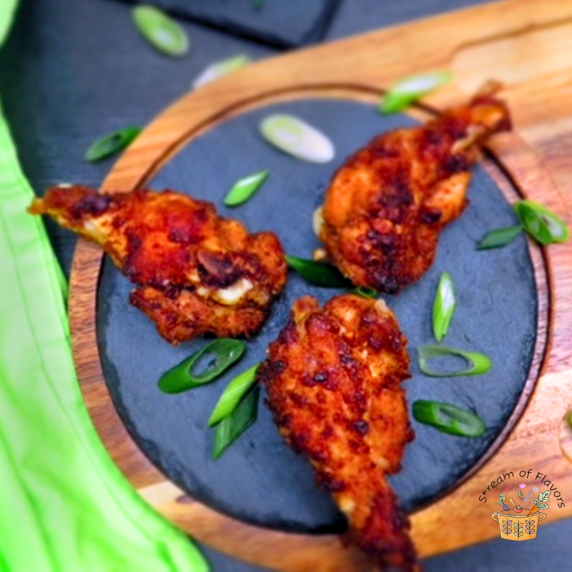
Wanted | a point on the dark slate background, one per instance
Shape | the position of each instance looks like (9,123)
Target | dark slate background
(73,71)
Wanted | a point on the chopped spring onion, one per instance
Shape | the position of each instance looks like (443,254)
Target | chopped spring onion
(444,306)
(406,91)
(160,30)
(499,237)
(233,426)
(233,395)
(478,363)
(220,69)
(297,138)
(448,418)
(111,144)
(541,223)
(218,355)
(245,188)
(366,292)
(317,273)
(318,221)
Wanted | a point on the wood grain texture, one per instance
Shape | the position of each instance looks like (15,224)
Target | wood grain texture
(523,43)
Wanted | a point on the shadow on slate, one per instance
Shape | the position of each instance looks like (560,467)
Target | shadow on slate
(273,22)
(259,479)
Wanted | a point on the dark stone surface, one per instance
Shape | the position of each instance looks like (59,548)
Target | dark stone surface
(276,23)
(75,70)
(260,479)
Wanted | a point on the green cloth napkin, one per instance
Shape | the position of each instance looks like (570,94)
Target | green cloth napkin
(64,505)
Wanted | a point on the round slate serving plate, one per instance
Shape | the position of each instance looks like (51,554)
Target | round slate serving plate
(259,502)
(260,480)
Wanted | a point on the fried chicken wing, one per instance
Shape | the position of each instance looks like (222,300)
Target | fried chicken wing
(334,381)
(195,271)
(387,205)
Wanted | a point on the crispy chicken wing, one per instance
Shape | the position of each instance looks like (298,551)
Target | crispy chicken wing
(195,271)
(334,380)
(387,205)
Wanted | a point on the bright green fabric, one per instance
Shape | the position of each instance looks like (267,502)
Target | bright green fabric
(64,506)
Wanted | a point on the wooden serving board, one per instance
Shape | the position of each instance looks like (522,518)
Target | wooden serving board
(524,44)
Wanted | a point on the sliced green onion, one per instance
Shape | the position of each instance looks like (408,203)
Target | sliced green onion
(478,363)
(233,395)
(220,355)
(499,237)
(448,418)
(160,30)
(541,223)
(444,306)
(317,273)
(404,92)
(111,144)
(220,69)
(297,138)
(245,188)
(366,292)
(231,428)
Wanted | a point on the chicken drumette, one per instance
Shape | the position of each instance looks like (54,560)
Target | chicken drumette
(387,205)
(195,271)
(334,379)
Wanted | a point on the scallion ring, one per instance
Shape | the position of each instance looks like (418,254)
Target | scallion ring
(220,69)
(245,188)
(317,273)
(219,356)
(233,426)
(499,237)
(297,138)
(365,292)
(545,226)
(160,30)
(448,418)
(444,306)
(478,363)
(406,91)
(111,144)
(233,395)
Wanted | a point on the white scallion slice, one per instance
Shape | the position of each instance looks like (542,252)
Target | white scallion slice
(220,69)
(443,306)
(404,92)
(297,138)
(161,31)
(245,188)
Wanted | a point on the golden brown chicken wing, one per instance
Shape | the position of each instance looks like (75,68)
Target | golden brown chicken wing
(334,385)
(387,205)
(195,271)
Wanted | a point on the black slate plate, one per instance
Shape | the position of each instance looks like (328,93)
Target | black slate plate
(274,22)
(259,479)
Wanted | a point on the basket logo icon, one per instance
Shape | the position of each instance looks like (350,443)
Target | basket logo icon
(520,520)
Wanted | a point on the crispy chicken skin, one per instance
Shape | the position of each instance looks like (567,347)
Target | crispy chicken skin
(195,271)
(334,381)
(387,205)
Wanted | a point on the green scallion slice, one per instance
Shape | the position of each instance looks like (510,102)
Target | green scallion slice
(218,355)
(297,138)
(161,31)
(233,426)
(448,418)
(366,292)
(478,363)
(111,144)
(406,91)
(444,306)
(220,69)
(541,223)
(317,273)
(499,237)
(245,188)
(233,395)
